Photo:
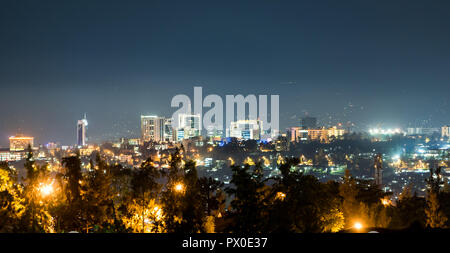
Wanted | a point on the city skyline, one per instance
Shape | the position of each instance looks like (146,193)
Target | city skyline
(257,121)
(158,128)
(373,63)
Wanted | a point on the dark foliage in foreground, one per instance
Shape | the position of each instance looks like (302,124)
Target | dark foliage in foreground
(108,198)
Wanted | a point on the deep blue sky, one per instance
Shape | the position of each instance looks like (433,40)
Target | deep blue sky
(368,61)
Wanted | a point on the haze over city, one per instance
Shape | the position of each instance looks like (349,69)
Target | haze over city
(374,63)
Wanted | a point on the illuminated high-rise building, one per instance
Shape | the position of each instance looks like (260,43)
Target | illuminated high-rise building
(246,129)
(154,128)
(20,143)
(180,134)
(214,133)
(297,134)
(336,132)
(82,131)
(148,127)
(151,128)
(168,130)
(188,126)
(320,134)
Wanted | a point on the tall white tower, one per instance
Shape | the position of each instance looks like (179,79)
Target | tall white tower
(82,131)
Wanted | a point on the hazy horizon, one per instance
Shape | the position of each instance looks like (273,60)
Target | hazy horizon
(372,63)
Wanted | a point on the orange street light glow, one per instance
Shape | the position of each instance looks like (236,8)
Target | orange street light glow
(357,225)
(281,195)
(385,202)
(179,187)
(46,190)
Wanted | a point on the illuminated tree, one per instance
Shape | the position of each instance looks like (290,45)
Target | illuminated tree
(70,217)
(435,217)
(35,217)
(356,200)
(74,177)
(332,221)
(194,206)
(148,219)
(406,193)
(209,224)
(144,189)
(183,207)
(310,206)
(435,180)
(97,197)
(11,203)
(30,166)
(380,215)
(172,196)
(350,205)
(121,181)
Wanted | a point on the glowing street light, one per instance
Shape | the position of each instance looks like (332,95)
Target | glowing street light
(46,189)
(179,187)
(281,195)
(358,226)
(385,202)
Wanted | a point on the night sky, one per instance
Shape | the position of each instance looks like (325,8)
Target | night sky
(369,62)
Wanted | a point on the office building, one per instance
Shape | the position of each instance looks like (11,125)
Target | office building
(20,143)
(10,156)
(168,130)
(422,131)
(320,134)
(297,134)
(246,129)
(336,132)
(157,129)
(152,128)
(213,133)
(189,126)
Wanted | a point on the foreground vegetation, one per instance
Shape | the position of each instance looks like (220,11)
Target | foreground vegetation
(109,198)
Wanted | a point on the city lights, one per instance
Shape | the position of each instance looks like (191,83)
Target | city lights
(358,225)
(386,202)
(242,120)
(179,187)
(280,195)
(45,189)
(380,131)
